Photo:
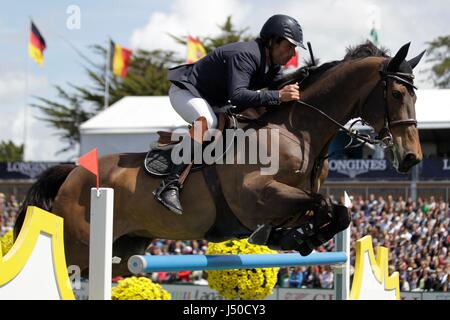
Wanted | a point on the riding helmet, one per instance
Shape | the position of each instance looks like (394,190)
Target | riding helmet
(283,26)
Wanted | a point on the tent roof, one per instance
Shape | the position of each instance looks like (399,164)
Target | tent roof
(143,114)
(433,108)
(135,114)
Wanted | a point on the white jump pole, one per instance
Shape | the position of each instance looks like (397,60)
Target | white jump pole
(342,272)
(100,243)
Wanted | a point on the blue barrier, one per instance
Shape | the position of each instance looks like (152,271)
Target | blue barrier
(149,263)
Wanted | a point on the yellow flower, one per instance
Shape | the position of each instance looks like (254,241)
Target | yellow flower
(7,242)
(245,284)
(139,288)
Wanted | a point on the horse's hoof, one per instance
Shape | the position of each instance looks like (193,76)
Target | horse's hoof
(304,250)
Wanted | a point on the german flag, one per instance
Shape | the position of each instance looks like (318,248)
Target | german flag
(120,59)
(36,45)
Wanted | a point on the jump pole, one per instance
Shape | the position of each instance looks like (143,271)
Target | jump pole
(149,263)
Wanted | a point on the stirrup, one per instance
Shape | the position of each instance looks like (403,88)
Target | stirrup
(170,205)
(164,185)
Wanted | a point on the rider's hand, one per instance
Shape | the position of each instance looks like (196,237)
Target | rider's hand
(289,93)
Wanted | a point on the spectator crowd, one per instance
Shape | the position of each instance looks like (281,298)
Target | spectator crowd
(415,232)
(9,209)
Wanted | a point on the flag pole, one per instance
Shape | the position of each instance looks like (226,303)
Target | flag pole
(25,110)
(108,67)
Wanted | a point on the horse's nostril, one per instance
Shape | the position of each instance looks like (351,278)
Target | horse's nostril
(408,162)
(410,158)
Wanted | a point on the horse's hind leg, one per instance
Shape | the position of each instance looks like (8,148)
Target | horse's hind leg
(124,248)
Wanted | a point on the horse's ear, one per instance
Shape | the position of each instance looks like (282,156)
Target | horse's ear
(415,61)
(395,62)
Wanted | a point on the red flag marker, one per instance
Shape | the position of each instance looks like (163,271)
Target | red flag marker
(89,161)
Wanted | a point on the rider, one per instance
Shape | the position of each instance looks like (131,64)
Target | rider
(232,73)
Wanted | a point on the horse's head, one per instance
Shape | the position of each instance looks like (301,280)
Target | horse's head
(396,122)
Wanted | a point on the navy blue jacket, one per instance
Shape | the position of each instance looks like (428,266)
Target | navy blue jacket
(230,74)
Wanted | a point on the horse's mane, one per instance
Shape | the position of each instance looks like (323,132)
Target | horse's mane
(361,51)
(364,50)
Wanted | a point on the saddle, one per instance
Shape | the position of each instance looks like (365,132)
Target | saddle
(158,160)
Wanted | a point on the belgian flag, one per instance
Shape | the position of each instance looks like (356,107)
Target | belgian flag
(120,59)
(36,45)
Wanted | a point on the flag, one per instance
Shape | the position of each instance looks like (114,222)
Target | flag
(293,62)
(196,51)
(36,45)
(120,59)
(89,161)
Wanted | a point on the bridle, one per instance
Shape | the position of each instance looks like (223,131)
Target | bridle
(385,134)
(384,137)
(404,78)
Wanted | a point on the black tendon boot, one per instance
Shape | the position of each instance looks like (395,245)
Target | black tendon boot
(328,219)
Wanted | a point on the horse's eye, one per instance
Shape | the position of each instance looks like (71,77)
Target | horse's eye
(396,94)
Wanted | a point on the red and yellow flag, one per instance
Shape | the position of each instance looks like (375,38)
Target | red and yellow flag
(36,45)
(121,58)
(196,51)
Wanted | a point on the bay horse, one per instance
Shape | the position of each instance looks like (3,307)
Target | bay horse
(367,84)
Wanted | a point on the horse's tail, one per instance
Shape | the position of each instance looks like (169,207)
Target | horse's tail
(43,192)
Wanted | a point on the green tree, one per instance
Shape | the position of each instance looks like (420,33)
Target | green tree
(10,151)
(439,53)
(147,75)
(228,34)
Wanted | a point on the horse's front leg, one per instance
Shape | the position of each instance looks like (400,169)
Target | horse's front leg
(294,219)
(273,202)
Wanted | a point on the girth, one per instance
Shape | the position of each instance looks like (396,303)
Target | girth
(226,225)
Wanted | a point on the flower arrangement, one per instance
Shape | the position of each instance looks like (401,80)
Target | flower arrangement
(139,288)
(7,242)
(244,284)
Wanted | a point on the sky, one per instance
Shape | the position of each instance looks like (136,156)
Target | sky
(330,26)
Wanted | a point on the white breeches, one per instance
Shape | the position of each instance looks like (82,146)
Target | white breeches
(190,107)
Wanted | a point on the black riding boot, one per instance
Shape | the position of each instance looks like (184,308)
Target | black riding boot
(168,191)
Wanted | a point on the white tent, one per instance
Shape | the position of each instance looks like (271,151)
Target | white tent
(433,109)
(130,125)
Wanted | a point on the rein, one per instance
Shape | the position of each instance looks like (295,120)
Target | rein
(384,136)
